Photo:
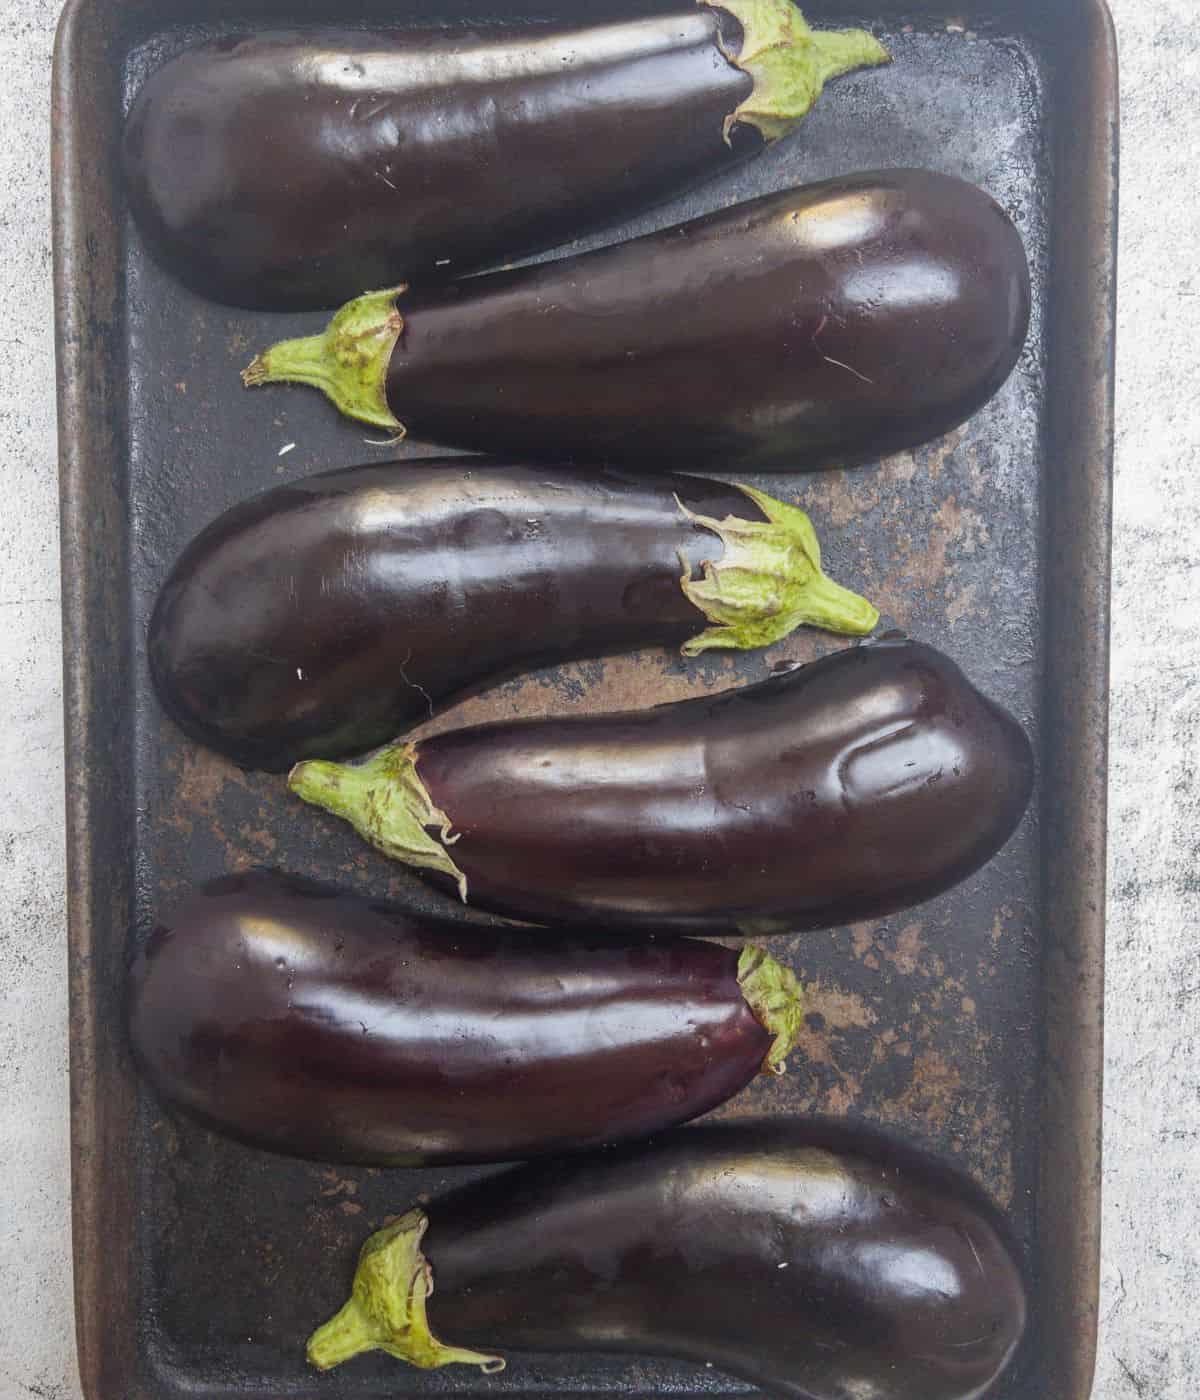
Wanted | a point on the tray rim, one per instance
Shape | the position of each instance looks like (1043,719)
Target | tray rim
(1074,753)
(1073,756)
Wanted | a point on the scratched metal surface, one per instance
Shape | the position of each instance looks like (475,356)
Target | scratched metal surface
(928,1024)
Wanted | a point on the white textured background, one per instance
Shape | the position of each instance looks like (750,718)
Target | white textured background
(1150,1330)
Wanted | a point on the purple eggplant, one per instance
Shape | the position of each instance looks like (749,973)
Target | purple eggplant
(300,1018)
(815,1262)
(291,170)
(853,787)
(816,326)
(326,616)
(847,789)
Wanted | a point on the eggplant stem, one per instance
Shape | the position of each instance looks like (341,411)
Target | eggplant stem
(768,581)
(789,62)
(348,361)
(774,994)
(386,1310)
(388,805)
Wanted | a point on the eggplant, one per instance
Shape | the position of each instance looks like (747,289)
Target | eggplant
(815,1262)
(289,171)
(300,1018)
(846,789)
(324,617)
(829,324)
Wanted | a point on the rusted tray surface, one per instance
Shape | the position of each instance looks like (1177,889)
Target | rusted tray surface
(970,1026)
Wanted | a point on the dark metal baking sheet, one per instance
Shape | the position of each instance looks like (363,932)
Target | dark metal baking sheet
(970,1026)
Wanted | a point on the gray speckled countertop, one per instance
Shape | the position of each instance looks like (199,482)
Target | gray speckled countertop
(1149,1337)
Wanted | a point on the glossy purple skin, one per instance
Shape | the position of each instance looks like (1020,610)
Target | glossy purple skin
(817,326)
(296,170)
(864,783)
(325,617)
(300,1018)
(898,1283)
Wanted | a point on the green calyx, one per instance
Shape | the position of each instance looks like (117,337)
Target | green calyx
(775,996)
(789,62)
(387,1307)
(768,582)
(348,361)
(388,805)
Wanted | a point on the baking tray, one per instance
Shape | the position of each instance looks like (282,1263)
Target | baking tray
(970,1026)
